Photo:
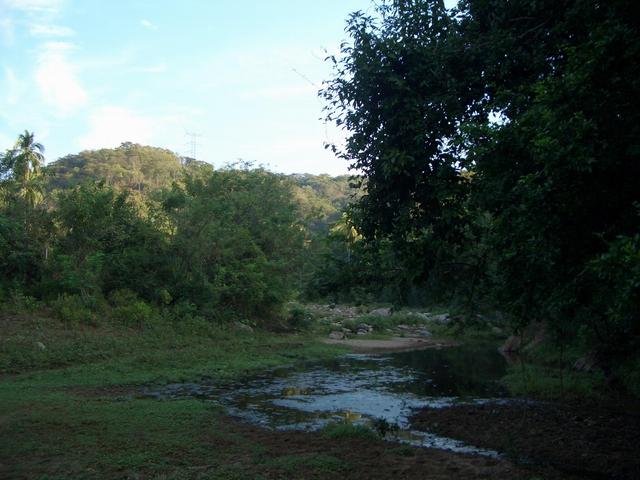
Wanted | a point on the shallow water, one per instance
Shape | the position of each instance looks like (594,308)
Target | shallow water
(363,389)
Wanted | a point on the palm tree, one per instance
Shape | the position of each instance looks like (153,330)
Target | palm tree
(25,160)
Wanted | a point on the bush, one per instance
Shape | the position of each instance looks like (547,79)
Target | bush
(131,311)
(76,310)
(137,314)
(299,317)
(21,302)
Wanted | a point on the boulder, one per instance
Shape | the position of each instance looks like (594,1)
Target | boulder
(381,312)
(337,335)
(242,327)
(442,318)
(423,333)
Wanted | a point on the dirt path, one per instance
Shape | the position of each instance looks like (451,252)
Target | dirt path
(395,344)
(585,439)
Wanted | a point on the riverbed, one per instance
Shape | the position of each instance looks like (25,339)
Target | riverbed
(382,391)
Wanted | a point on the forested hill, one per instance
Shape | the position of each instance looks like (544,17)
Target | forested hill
(130,166)
(321,198)
(144,169)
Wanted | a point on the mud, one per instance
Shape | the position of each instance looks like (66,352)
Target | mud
(581,439)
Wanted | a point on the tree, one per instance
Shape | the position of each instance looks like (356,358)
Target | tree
(235,242)
(25,231)
(401,89)
(524,115)
(23,164)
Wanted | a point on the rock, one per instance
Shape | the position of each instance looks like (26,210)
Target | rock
(420,315)
(381,312)
(41,346)
(364,327)
(403,327)
(496,330)
(242,327)
(423,333)
(362,332)
(337,335)
(442,318)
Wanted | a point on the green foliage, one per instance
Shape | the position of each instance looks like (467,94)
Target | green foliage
(74,310)
(128,167)
(130,311)
(552,382)
(200,243)
(498,146)
(235,245)
(299,317)
(21,303)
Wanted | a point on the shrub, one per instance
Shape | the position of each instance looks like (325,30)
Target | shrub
(137,314)
(74,309)
(21,302)
(299,317)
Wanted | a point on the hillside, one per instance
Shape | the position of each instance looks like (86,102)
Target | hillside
(129,166)
(144,169)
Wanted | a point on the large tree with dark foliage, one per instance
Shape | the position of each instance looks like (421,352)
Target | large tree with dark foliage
(504,136)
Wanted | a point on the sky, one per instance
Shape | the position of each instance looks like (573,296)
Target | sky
(238,77)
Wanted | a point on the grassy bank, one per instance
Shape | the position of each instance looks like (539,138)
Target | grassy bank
(62,413)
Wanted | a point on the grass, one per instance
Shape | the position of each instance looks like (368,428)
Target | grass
(552,382)
(56,407)
(349,430)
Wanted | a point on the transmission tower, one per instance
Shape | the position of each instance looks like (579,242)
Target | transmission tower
(193,143)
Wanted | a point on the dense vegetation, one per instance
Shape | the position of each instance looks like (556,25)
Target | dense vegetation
(140,230)
(496,148)
(498,143)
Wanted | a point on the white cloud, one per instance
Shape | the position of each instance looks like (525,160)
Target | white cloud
(7,30)
(40,30)
(148,24)
(112,125)
(57,78)
(34,6)
(159,68)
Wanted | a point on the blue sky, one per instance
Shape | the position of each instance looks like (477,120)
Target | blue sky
(243,74)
